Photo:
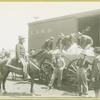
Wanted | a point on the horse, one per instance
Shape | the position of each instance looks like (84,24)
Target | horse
(32,69)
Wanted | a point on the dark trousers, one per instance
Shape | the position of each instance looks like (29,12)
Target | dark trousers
(82,81)
(57,73)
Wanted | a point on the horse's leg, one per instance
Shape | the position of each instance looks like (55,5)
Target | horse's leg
(12,75)
(1,79)
(4,80)
(32,92)
(32,73)
(0,87)
(32,84)
(15,76)
(4,89)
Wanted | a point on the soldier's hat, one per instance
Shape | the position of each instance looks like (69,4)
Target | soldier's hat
(79,33)
(52,38)
(21,37)
(68,36)
(7,53)
(61,34)
(97,50)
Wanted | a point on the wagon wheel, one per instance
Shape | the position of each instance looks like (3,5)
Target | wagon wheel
(72,73)
(46,72)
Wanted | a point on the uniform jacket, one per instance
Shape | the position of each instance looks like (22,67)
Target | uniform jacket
(48,45)
(84,40)
(96,68)
(20,51)
(66,42)
(59,43)
(59,63)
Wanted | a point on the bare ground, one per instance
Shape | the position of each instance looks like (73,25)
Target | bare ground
(22,88)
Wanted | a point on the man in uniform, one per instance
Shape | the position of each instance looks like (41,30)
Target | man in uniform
(3,62)
(32,52)
(73,38)
(21,55)
(3,52)
(48,45)
(66,42)
(59,41)
(59,65)
(82,76)
(96,72)
(45,45)
(84,41)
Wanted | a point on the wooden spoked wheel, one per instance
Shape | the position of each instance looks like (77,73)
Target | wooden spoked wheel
(46,72)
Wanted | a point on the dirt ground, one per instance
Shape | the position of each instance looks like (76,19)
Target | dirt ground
(22,88)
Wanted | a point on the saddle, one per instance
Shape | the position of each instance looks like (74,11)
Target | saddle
(14,62)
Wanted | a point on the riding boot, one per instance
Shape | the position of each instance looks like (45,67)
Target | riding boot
(25,76)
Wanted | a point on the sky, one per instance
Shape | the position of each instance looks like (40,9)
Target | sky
(15,16)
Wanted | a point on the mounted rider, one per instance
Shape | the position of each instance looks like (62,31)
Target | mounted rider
(21,54)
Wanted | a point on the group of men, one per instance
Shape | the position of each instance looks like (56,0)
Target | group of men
(63,43)
(82,74)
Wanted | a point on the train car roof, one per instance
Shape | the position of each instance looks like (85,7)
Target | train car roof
(77,15)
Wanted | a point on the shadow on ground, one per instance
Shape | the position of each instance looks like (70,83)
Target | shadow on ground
(15,94)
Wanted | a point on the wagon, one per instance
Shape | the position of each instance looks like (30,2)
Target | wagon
(71,57)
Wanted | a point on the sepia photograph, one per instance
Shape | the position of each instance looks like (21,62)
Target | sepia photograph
(50,49)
